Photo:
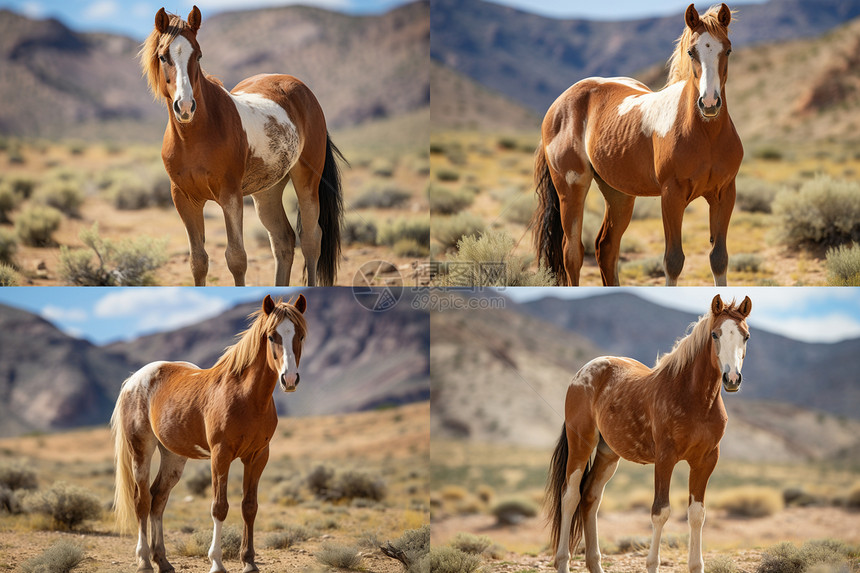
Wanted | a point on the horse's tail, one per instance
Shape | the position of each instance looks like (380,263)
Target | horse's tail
(555,486)
(123,500)
(331,214)
(546,221)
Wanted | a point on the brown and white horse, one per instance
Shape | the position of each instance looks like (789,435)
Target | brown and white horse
(223,413)
(659,416)
(677,144)
(222,146)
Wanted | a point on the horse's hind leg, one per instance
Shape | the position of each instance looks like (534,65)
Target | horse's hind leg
(169,472)
(306,180)
(270,210)
(144,447)
(605,463)
(616,218)
(571,183)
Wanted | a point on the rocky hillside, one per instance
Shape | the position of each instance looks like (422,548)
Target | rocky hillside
(56,82)
(353,360)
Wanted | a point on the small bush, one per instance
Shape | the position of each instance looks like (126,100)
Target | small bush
(36,224)
(444,201)
(449,175)
(745,263)
(843,265)
(649,268)
(131,262)
(9,201)
(358,229)
(139,189)
(452,560)
(9,277)
(201,540)
(720,565)
(16,476)
(382,168)
(410,548)
(287,493)
(199,481)
(381,198)
(750,501)
(417,230)
(319,481)
(61,557)
(768,153)
(449,230)
(359,485)
(474,544)
(823,212)
(513,511)
(853,500)
(68,505)
(8,246)
(291,536)
(632,543)
(10,501)
(410,248)
(65,196)
(488,260)
(754,195)
(22,186)
(787,558)
(337,555)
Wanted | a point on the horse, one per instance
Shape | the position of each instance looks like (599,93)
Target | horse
(662,415)
(678,144)
(223,413)
(223,146)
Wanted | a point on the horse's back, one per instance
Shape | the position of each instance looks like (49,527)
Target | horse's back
(288,91)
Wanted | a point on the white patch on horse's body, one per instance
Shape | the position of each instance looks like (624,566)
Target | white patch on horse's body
(141,381)
(709,49)
(272,138)
(571,177)
(586,374)
(659,109)
(627,82)
(180,51)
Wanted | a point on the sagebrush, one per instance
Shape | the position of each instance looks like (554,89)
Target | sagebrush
(129,262)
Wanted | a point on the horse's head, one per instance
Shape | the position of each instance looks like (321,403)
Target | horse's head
(171,61)
(285,335)
(730,334)
(706,40)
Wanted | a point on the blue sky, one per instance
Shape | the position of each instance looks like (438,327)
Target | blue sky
(135,17)
(611,9)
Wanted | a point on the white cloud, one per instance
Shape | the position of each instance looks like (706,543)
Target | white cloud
(62,314)
(159,309)
(829,328)
(33,9)
(101,10)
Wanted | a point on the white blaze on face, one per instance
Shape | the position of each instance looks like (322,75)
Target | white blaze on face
(289,367)
(180,52)
(709,49)
(732,348)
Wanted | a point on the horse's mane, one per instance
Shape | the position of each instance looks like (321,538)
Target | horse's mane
(687,348)
(679,64)
(149,51)
(242,354)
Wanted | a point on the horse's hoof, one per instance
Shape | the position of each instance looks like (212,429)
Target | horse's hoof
(249,568)
(168,569)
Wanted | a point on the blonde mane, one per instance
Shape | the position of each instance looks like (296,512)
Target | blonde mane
(149,51)
(686,349)
(679,64)
(241,355)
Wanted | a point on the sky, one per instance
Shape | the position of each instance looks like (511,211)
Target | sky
(610,9)
(135,17)
(811,314)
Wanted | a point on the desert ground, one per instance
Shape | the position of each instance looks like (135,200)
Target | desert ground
(390,445)
(484,181)
(385,204)
(469,480)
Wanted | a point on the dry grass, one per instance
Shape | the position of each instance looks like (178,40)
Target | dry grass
(749,501)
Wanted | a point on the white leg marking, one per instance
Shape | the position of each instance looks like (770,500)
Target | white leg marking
(142,550)
(657,522)
(569,502)
(592,547)
(215,549)
(696,518)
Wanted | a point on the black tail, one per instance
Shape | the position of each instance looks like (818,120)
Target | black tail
(331,214)
(546,221)
(556,483)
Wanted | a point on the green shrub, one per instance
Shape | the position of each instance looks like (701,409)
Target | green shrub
(77,147)
(287,493)
(65,196)
(449,175)
(449,230)
(853,499)
(352,485)
(199,481)
(754,195)
(10,501)
(131,262)
(720,564)
(444,201)
(513,511)
(319,481)
(417,230)
(8,246)
(381,198)
(768,153)
(488,260)
(787,558)
(22,185)
(289,537)
(9,277)
(452,560)
(745,263)
(823,212)
(341,556)
(61,557)
(750,501)
(843,265)
(201,540)
(383,168)
(36,224)
(474,544)
(17,476)
(410,248)
(68,505)
(9,201)
(410,548)
(358,229)
(649,267)
(139,189)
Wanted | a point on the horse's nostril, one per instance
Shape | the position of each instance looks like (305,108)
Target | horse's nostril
(176,107)
(719,101)
(701,103)
(194,105)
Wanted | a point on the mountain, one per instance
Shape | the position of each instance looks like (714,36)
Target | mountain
(56,82)
(532,59)
(501,375)
(353,360)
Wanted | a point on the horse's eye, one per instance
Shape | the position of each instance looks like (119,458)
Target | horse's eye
(728,52)
(690,53)
(162,59)
(271,338)
(714,336)
(746,337)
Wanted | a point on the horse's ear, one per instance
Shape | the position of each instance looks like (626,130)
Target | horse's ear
(162,21)
(194,19)
(268,305)
(717,305)
(745,307)
(725,16)
(301,304)
(692,17)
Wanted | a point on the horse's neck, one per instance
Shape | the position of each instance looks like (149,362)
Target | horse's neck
(690,113)
(208,97)
(704,379)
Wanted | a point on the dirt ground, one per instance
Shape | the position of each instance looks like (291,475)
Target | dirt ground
(392,444)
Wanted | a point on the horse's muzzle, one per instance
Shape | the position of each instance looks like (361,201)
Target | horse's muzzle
(288,383)
(184,115)
(710,112)
(732,386)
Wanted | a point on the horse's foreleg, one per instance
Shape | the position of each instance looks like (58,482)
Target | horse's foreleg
(673,203)
(270,210)
(605,463)
(660,509)
(237,260)
(220,470)
(253,470)
(616,218)
(720,215)
(191,213)
(168,476)
(700,473)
